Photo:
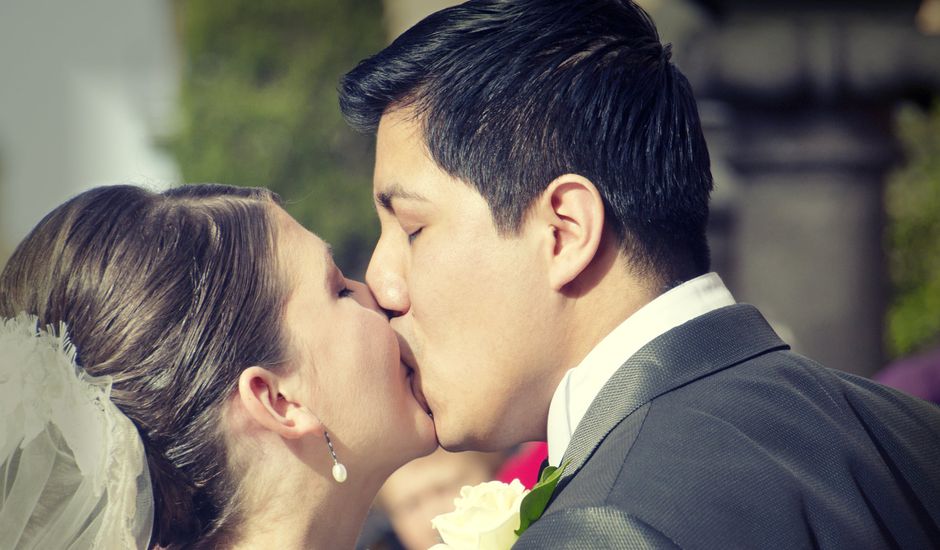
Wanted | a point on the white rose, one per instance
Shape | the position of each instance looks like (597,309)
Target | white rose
(486,517)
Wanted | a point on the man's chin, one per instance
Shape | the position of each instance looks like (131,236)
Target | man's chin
(447,438)
(459,442)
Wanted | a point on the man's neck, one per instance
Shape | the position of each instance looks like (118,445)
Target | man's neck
(595,314)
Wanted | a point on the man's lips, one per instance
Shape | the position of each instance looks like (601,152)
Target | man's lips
(415,384)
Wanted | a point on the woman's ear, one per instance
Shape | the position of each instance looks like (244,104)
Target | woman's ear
(259,391)
(573,211)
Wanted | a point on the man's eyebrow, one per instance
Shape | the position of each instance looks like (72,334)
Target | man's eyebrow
(396,191)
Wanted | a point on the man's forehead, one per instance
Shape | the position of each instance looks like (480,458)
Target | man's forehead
(400,141)
(403,121)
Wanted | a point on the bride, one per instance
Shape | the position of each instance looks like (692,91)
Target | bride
(190,369)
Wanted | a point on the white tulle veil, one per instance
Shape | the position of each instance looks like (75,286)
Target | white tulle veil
(73,472)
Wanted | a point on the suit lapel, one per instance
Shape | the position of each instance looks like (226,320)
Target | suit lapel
(706,344)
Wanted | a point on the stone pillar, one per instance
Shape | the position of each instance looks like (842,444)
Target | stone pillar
(808,230)
(806,90)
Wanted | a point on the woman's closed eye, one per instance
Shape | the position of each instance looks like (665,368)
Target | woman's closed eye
(346,292)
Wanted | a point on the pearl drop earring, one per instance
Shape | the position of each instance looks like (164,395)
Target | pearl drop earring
(339,471)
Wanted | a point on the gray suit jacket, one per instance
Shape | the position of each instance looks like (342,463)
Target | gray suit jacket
(715,435)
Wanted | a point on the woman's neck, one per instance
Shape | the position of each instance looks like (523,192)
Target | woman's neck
(320,513)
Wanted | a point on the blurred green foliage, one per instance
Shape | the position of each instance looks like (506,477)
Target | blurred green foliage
(913,206)
(260,108)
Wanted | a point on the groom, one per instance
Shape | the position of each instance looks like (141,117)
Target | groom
(542,184)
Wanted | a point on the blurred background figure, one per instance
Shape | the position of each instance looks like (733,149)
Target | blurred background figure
(928,17)
(427,487)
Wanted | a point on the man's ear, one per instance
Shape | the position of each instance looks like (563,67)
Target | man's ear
(574,212)
(260,392)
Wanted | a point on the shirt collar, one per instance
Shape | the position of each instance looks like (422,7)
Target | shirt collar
(580,385)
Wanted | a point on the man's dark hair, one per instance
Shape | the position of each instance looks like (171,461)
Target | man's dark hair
(514,93)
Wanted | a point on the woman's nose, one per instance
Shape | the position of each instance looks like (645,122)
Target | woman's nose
(363,295)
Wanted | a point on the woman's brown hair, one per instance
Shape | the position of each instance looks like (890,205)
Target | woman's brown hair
(172,294)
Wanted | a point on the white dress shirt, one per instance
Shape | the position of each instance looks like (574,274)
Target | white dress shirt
(580,385)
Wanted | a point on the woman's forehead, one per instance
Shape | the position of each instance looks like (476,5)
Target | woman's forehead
(301,252)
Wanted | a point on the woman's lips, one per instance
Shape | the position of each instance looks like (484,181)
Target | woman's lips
(415,384)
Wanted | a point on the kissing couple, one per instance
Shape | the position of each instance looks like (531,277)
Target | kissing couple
(189,369)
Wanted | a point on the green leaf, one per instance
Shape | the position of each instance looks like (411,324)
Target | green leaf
(536,501)
(546,472)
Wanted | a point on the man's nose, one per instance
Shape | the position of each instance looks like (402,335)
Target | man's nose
(387,282)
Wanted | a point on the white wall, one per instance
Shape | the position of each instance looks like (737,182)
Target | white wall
(85,88)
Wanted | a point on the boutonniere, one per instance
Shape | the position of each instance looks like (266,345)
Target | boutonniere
(492,515)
